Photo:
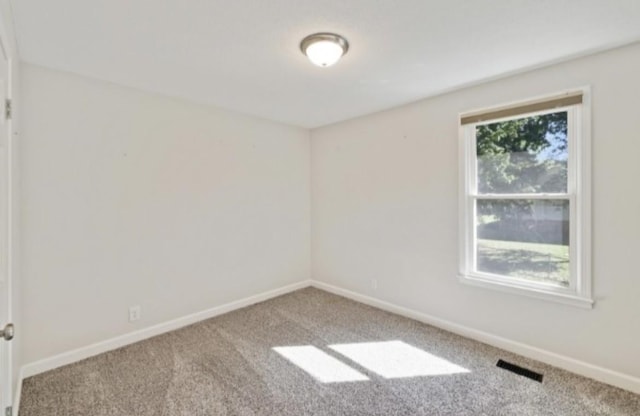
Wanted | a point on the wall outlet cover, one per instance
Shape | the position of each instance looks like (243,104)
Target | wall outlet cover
(135,312)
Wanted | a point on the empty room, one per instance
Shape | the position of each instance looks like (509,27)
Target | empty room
(296,207)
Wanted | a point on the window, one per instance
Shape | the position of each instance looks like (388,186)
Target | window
(524,198)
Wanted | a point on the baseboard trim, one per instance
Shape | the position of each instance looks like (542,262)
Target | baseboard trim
(73,356)
(604,375)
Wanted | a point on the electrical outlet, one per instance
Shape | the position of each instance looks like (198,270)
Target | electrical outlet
(135,312)
(374,284)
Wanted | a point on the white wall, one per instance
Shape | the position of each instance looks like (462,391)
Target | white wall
(131,198)
(384,206)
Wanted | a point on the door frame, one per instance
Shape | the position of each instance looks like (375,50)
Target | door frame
(7,379)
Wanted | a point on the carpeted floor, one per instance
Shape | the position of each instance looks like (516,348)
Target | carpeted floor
(344,358)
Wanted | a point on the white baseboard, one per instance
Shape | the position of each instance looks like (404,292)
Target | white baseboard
(604,375)
(69,357)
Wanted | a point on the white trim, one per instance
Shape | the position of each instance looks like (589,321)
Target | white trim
(15,407)
(542,196)
(528,289)
(604,375)
(6,49)
(78,354)
(583,182)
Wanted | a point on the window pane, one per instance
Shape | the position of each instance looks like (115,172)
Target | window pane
(527,239)
(525,155)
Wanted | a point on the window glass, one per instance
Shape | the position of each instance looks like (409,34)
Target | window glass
(525,239)
(524,155)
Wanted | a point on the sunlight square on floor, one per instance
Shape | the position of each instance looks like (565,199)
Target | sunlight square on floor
(319,364)
(396,359)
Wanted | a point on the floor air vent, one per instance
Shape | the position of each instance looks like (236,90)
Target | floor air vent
(520,370)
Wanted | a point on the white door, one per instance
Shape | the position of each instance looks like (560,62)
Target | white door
(5,231)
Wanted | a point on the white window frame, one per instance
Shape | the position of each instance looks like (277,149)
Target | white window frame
(579,292)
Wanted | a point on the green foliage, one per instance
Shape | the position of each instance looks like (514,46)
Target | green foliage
(525,155)
(509,154)
(521,135)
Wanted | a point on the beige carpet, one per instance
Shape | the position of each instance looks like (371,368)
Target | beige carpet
(313,353)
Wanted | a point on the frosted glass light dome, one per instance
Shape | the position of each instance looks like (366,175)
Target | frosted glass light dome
(324,49)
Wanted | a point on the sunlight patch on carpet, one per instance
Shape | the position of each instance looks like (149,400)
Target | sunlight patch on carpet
(396,359)
(319,364)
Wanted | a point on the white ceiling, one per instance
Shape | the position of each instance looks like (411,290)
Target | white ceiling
(243,54)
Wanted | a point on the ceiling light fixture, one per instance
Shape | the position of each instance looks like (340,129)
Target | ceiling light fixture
(324,49)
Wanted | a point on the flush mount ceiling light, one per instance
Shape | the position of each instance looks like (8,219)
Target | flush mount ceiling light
(324,49)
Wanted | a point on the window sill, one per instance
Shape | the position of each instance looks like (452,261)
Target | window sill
(532,292)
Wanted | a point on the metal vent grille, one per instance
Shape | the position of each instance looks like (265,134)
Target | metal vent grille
(520,370)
